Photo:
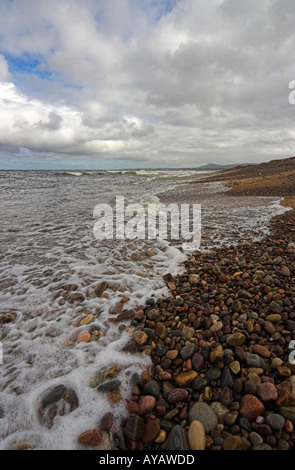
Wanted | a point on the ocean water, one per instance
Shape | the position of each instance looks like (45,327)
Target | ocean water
(48,248)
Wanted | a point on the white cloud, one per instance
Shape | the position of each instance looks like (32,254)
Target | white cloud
(179,82)
(4,70)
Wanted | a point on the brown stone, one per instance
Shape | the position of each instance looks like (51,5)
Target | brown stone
(184,379)
(267,392)
(236,339)
(285,397)
(99,289)
(140,337)
(146,404)
(151,431)
(161,330)
(177,395)
(132,407)
(234,443)
(106,422)
(173,354)
(285,271)
(251,407)
(91,438)
(84,337)
(262,351)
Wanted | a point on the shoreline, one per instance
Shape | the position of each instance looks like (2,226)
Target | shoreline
(219,348)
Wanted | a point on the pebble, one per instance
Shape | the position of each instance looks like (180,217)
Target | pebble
(151,388)
(187,351)
(267,392)
(106,422)
(161,437)
(91,438)
(177,439)
(140,337)
(177,395)
(151,432)
(53,395)
(236,339)
(234,443)
(251,407)
(288,412)
(198,362)
(134,427)
(203,413)
(147,404)
(84,337)
(275,421)
(196,436)
(184,379)
(235,367)
(111,386)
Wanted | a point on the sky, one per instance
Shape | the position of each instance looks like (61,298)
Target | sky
(145,83)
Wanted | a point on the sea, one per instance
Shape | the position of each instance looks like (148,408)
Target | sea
(48,246)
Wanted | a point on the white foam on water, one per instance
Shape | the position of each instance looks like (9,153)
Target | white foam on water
(47,243)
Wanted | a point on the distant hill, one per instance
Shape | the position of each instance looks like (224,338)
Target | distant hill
(216,167)
(274,178)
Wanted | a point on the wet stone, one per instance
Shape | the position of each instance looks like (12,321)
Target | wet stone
(177,439)
(151,388)
(226,378)
(177,395)
(202,412)
(187,351)
(199,384)
(111,386)
(91,438)
(134,427)
(106,422)
(198,362)
(213,374)
(275,421)
(53,395)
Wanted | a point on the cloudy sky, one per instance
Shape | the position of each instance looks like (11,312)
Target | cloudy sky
(145,83)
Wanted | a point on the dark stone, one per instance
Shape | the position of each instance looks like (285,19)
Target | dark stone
(250,388)
(263,429)
(226,378)
(177,395)
(177,439)
(111,386)
(187,351)
(198,362)
(53,395)
(151,388)
(134,427)
(199,384)
(213,374)
(166,425)
(106,422)
(244,423)
(205,350)
(226,396)
(149,332)
(126,315)
(99,290)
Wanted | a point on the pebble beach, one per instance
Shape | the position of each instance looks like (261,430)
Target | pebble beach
(219,344)
(203,363)
(222,374)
